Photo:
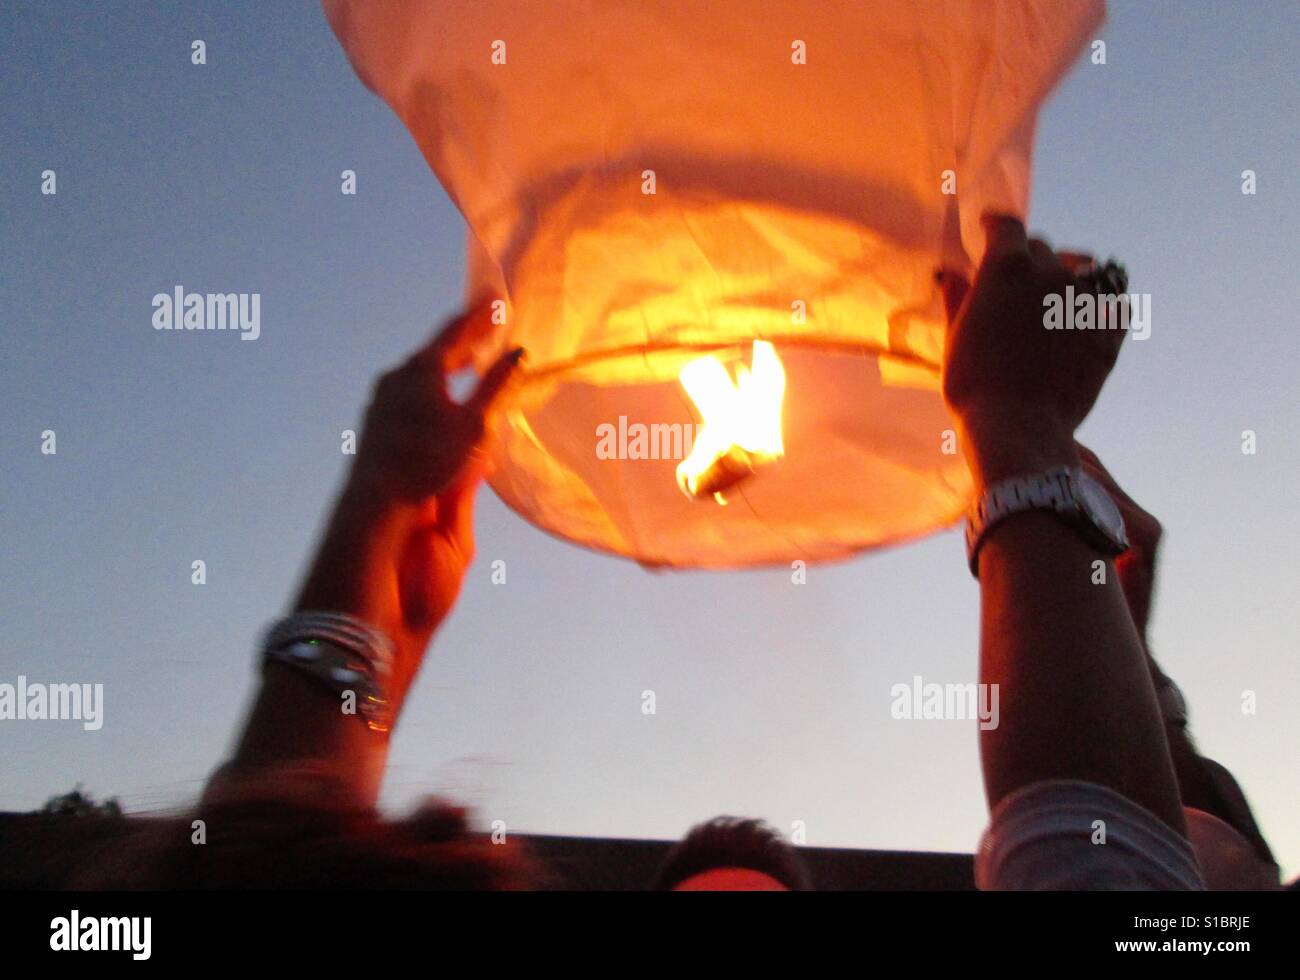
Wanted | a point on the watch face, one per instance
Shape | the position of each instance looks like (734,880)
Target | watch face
(1101,509)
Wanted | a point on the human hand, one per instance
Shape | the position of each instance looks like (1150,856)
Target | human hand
(401,536)
(1018,389)
(394,556)
(417,440)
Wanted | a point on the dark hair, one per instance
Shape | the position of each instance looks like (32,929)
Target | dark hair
(733,842)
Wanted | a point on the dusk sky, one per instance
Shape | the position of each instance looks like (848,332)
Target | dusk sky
(772,700)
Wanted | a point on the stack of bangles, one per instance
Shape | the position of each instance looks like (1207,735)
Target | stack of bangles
(344,653)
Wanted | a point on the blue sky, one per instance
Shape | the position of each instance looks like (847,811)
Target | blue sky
(772,700)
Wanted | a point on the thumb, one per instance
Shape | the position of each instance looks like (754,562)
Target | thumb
(1003,233)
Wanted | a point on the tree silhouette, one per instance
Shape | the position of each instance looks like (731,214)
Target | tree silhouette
(79,804)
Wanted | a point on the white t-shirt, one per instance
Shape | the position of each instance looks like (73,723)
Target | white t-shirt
(1074,835)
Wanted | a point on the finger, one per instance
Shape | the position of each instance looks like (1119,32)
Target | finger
(496,379)
(1004,234)
(954,287)
(453,340)
(1077,263)
(458,349)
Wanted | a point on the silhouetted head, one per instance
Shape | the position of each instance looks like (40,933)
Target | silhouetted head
(732,854)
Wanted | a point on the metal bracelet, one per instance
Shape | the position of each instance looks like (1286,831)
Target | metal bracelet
(341,651)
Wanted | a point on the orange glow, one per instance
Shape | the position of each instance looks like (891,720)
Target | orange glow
(677,188)
(741,421)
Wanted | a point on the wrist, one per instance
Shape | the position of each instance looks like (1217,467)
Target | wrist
(354,570)
(1002,445)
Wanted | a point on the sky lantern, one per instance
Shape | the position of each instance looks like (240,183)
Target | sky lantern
(715,227)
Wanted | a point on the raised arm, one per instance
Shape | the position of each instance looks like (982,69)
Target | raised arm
(1077,700)
(393,557)
(1203,783)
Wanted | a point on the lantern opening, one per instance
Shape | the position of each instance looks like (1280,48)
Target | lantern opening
(741,421)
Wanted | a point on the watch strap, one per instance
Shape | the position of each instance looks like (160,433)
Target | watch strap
(1052,490)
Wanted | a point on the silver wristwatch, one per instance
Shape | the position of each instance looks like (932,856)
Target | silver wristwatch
(1066,491)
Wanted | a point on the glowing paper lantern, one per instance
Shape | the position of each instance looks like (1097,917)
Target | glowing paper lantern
(656,185)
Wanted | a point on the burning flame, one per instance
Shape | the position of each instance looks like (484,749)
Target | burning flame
(742,421)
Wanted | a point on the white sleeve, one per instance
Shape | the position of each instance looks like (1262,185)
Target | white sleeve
(1074,835)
